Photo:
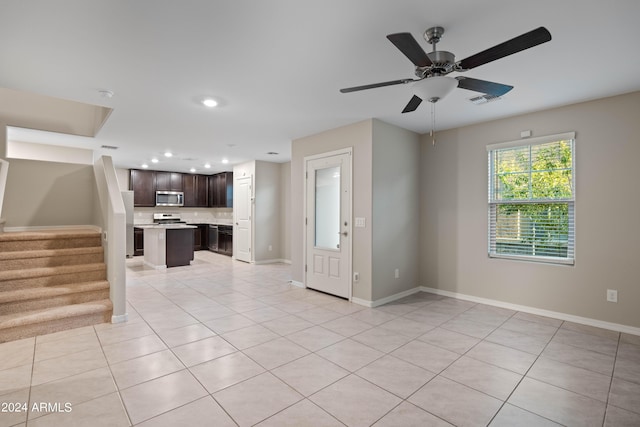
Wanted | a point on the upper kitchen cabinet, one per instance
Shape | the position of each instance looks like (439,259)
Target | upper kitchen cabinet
(169,181)
(221,190)
(143,184)
(195,191)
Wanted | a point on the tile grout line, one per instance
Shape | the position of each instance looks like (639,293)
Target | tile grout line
(525,376)
(613,371)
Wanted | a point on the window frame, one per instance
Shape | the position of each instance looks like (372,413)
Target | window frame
(494,203)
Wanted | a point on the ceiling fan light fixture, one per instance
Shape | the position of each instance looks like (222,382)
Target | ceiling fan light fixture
(435,88)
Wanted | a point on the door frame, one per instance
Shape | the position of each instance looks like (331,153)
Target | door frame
(306,159)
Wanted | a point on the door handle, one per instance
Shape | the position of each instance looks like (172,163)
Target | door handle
(344,233)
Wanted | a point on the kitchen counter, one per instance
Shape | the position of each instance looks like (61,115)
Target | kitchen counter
(164,226)
(188,223)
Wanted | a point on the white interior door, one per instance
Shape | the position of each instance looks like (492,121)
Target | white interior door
(242,189)
(328,224)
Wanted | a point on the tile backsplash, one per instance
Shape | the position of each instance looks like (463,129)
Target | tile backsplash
(190,215)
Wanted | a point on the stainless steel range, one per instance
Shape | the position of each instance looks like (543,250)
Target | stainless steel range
(167,218)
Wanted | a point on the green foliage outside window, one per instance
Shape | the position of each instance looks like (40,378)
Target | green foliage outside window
(532,190)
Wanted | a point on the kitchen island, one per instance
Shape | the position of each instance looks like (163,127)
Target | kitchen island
(168,245)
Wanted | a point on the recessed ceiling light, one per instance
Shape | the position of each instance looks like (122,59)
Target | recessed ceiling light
(207,165)
(106,93)
(192,170)
(225,161)
(154,160)
(209,102)
(144,166)
(168,154)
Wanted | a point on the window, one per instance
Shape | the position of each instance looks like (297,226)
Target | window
(531,199)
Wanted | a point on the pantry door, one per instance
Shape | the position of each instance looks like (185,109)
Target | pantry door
(328,223)
(243,197)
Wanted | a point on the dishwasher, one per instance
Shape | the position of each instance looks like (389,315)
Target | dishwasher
(213,238)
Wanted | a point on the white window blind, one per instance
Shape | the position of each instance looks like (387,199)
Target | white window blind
(531,199)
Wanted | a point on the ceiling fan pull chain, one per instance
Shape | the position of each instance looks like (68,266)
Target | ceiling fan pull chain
(433,123)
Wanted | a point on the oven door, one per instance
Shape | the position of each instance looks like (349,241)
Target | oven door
(213,238)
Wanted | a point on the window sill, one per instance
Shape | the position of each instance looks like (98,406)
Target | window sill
(536,259)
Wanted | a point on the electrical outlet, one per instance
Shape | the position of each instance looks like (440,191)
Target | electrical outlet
(612,295)
(356,276)
(397,273)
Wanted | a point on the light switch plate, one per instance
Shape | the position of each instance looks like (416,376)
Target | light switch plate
(360,222)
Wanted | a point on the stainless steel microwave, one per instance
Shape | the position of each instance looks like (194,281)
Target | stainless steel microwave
(169,198)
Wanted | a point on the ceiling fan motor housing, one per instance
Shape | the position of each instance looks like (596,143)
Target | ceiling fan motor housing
(442,62)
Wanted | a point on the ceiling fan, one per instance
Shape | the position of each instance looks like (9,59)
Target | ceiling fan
(432,68)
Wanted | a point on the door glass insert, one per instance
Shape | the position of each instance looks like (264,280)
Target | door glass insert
(327,212)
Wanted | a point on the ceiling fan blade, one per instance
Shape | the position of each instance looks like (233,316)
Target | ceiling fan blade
(515,45)
(375,85)
(413,104)
(411,49)
(490,88)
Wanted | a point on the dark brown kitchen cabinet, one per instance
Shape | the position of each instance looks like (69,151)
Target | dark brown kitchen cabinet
(138,241)
(179,246)
(144,187)
(195,191)
(168,181)
(221,190)
(200,236)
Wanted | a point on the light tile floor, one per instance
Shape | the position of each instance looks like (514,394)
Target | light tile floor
(223,343)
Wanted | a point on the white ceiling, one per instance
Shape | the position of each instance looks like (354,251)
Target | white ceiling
(276,66)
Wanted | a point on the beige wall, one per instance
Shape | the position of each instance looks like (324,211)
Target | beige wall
(33,111)
(49,194)
(267,212)
(358,136)
(285,211)
(396,210)
(454,214)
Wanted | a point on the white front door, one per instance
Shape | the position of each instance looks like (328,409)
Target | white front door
(242,189)
(328,224)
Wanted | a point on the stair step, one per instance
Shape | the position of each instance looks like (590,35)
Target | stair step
(52,280)
(39,322)
(16,260)
(50,276)
(49,239)
(52,296)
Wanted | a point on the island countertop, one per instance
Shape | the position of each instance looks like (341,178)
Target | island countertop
(164,226)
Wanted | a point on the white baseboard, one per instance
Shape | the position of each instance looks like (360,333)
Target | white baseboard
(155,267)
(297,284)
(52,227)
(272,261)
(538,311)
(120,318)
(385,300)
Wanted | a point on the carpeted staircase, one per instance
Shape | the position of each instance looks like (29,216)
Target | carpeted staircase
(50,281)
